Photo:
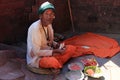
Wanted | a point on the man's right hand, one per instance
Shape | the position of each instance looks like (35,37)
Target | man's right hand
(58,51)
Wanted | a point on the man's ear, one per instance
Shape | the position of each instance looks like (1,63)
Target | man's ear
(40,16)
(54,17)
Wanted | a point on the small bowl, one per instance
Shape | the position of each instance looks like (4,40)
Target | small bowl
(74,75)
(75,66)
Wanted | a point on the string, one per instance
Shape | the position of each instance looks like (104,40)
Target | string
(46,33)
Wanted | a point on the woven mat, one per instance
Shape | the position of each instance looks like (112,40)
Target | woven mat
(40,70)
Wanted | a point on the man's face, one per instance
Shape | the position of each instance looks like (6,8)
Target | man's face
(47,17)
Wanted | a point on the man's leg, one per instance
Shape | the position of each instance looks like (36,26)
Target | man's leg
(64,57)
(49,62)
(57,61)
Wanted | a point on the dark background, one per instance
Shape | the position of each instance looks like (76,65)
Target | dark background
(102,16)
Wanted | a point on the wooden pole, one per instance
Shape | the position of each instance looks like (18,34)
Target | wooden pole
(69,5)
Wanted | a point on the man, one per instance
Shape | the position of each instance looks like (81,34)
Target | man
(42,51)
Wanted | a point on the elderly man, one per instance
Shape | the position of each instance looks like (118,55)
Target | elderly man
(42,50)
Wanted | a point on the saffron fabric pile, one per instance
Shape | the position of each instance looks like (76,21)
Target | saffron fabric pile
(98,45)
(88,43)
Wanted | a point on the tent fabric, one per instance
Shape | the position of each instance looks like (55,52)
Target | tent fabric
(98,45)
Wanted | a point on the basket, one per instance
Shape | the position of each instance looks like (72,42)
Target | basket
(40,70)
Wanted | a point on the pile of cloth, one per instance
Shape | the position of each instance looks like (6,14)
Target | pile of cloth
(91,43)
(84,44)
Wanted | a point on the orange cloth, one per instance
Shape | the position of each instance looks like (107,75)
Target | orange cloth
(100,46)
(57,61)
(64,57)
(49,62)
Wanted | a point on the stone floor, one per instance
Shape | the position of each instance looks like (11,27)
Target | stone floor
(13,64)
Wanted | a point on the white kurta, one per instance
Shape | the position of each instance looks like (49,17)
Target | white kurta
(37,43)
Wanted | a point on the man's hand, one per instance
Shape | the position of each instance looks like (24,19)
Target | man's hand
(56,45)
(62,46)
(58,51)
